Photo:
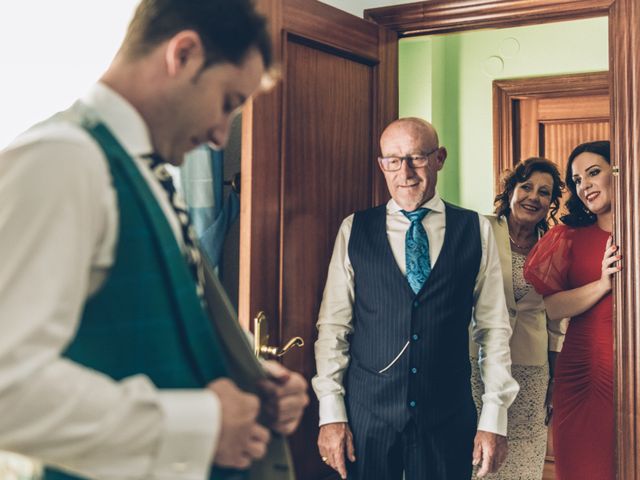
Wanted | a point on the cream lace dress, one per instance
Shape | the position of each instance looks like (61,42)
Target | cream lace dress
(527,432)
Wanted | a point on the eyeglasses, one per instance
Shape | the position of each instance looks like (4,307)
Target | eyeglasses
(394,163)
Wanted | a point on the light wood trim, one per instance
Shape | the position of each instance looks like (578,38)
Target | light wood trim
(595,83)
(550,109)
(246,197)
(529,120)
(624,82)
(259,260)
(426,18)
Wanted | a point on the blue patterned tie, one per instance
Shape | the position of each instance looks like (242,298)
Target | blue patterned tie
(417,250)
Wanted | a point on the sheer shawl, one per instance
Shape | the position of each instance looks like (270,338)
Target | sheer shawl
(547,265)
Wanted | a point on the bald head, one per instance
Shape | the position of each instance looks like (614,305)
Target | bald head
(412,141)
(421,130)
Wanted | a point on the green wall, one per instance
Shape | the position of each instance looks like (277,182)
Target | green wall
(447,79)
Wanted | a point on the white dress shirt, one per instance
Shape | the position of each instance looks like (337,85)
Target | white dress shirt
(490,321)
(58,233)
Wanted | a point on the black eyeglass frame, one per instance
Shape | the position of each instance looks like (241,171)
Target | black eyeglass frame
(410,159)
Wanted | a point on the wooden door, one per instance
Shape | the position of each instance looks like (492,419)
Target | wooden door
(550,123)
(547,116)
(308,161)
(553,127)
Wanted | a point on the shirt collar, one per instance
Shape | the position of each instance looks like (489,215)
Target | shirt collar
(122,119)
(434,204)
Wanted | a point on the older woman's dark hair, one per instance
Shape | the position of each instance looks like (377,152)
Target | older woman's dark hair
(578,215)
(521,173)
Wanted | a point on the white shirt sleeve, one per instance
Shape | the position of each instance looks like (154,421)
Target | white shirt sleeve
(557,330)
(55,204)
(491,330)
(334,325)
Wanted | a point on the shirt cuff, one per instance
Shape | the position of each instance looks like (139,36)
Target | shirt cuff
(555,343)
(332,409)
(190,434)
(493,419)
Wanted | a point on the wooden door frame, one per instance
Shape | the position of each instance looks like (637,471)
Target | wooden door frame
(426,18)
(506,91)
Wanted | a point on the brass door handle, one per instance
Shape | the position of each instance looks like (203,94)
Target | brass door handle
(261,340)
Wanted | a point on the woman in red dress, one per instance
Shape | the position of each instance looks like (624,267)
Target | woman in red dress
(572,266)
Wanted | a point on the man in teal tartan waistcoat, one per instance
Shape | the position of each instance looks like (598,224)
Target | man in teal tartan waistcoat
(130,371)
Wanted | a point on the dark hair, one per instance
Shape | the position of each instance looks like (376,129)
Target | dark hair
(578,214)
(521,173)
(228,29)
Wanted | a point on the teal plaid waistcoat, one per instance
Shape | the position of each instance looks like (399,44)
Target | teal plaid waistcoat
(147,318)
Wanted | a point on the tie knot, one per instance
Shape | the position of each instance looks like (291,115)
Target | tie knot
(416,215)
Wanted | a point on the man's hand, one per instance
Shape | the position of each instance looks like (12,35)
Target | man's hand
(489,451)
(334,442)
(284,398)
(242,439)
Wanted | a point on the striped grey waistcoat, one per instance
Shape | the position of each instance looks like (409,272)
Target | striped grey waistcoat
(431,379)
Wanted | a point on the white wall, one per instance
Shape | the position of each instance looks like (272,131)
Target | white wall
(356,7)
(49,58)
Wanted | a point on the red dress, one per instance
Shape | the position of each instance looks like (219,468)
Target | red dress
(583,417)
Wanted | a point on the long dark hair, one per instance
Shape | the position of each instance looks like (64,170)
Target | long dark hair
(578,214)
(521,173)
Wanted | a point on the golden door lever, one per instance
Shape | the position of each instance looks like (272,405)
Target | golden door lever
(261,346)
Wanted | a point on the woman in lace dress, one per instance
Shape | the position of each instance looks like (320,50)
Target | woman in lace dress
(572,267)
(531,191)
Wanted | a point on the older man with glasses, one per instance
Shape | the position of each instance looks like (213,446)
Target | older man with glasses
(405,280)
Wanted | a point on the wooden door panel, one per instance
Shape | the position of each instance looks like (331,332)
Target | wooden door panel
(552,127)
(527,115)
(559,139)
(567,108)
(327,168)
